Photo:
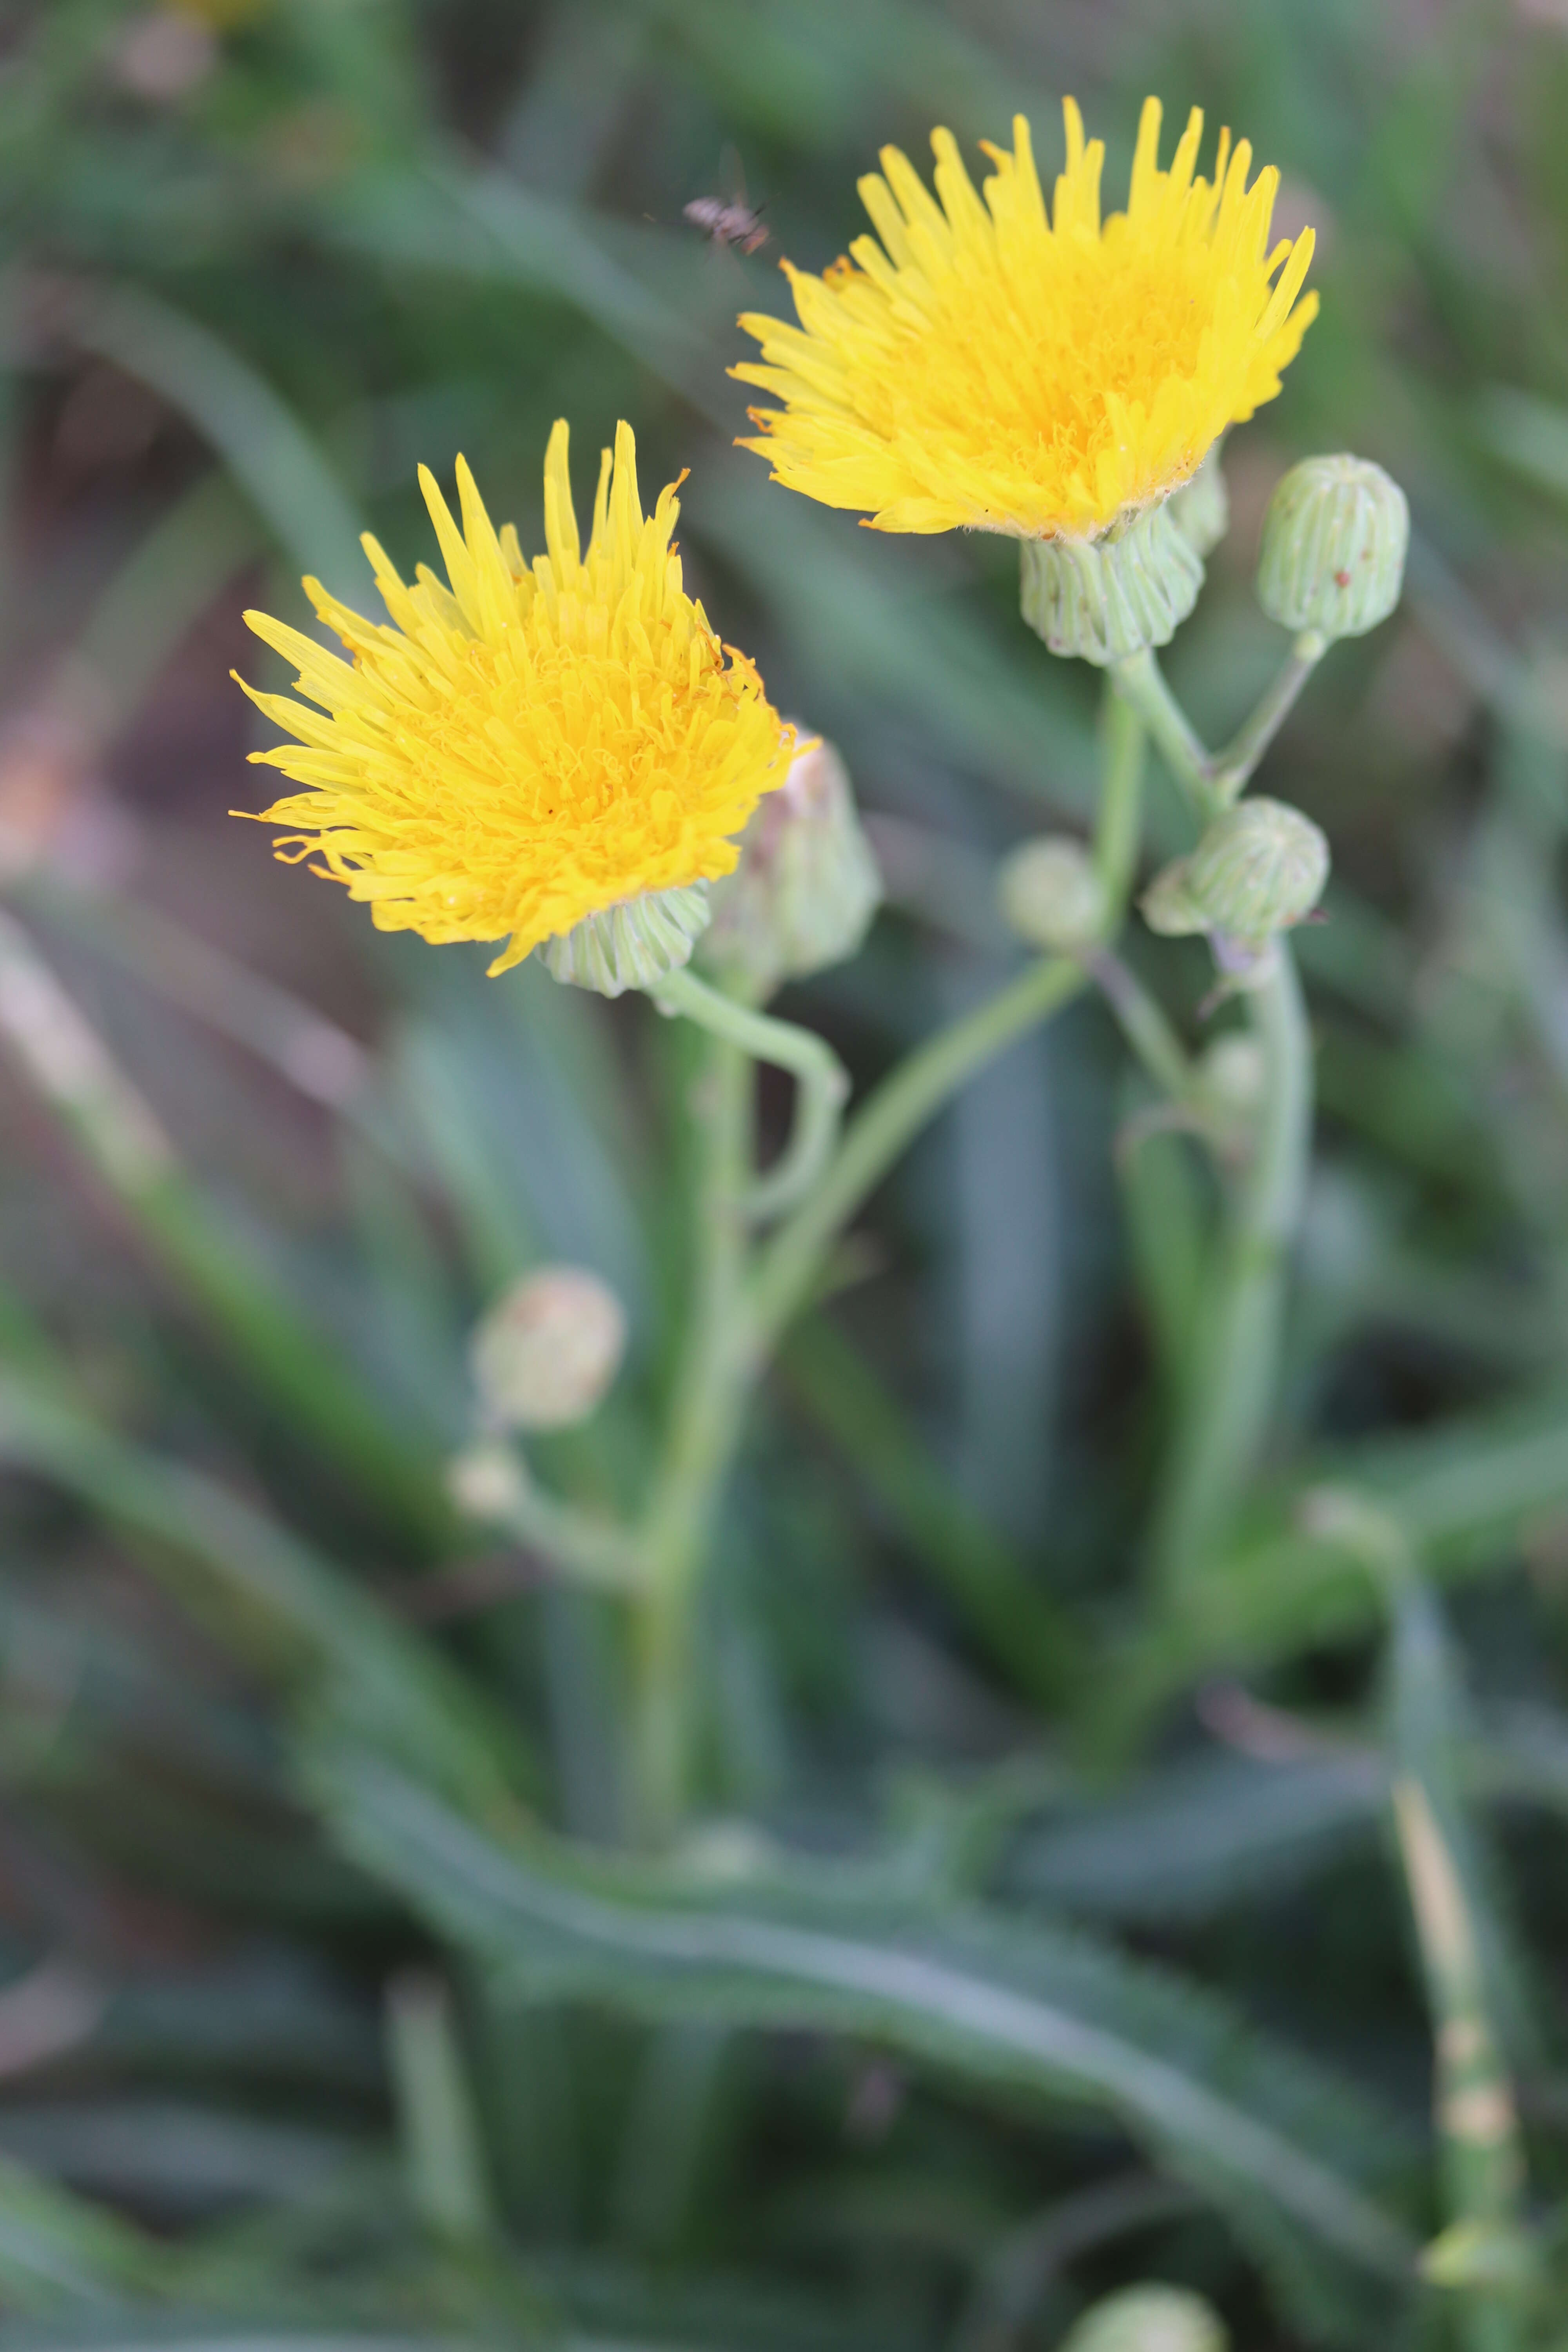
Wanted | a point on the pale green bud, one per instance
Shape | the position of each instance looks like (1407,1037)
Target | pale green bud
(1232,1073)
(1050,895)
(1334,542)
(549,1348)
(1168,905)
(807,883)
(1106,599)
(1259,869)
(1201,507)
(487,1481)
(632,944)
(1148,2319)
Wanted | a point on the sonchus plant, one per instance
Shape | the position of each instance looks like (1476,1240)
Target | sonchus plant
(563,757)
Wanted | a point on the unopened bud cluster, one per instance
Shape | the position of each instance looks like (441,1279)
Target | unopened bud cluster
(1258,870)
(806,886)
(546,1353)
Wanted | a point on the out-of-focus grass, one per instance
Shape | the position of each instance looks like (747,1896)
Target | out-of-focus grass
(1040,1945)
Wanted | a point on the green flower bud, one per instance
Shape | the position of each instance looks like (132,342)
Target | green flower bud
(1105,599)
(1051,896)
(1259,869)
(547,1351)
(1168,904)
(1201,508)
(1334,540)
(633,944)
(808,885)
(1148,2319)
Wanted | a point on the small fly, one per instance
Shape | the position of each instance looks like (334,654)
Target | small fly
(729,220)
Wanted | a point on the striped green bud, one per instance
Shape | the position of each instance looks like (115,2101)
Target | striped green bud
(1334,543)
(1106,599)
(1201,508)
(807,883)
(1259,869)
(633,944)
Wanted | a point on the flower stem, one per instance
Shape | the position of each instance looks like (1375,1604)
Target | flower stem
(711,1392)
(1118,826)
(1232,1395)
(822,1081)
(1145,1025)
(1141,682)
(1212,781)
(1232,767)
(889,1122)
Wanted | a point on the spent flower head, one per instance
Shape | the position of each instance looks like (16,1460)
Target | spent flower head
(999,365)
(532,745)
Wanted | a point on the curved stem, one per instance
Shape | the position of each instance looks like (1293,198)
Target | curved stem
(821,1077)
(889,1122)
(1144,1027)
(1232,1396)
(592,1552)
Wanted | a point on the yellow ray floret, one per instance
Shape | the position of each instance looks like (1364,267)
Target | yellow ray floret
(999,366)
(533,743)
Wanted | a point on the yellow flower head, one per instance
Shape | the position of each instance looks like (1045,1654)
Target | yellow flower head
(996,367)
(533,744)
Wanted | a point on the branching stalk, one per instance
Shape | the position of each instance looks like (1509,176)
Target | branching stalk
(821,1077)
(712,1391)
(1144,1027)
(1232,767)
(1232,1397)
(1212,781)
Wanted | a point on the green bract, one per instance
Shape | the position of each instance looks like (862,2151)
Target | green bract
(1107,599)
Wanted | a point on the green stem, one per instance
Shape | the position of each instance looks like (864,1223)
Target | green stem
(1478,2125)
(1232,768)
(1145,1025)
(793,1262)
(711,1393)
(1119,820)
(1232,1396)
(1141,682)
(1211,781)
(592,1552)
(822,1081)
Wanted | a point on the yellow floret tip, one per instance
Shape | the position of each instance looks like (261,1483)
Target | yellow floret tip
(1000,366)
(532,743)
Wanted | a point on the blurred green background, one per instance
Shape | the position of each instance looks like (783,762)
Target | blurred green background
(281,2057)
